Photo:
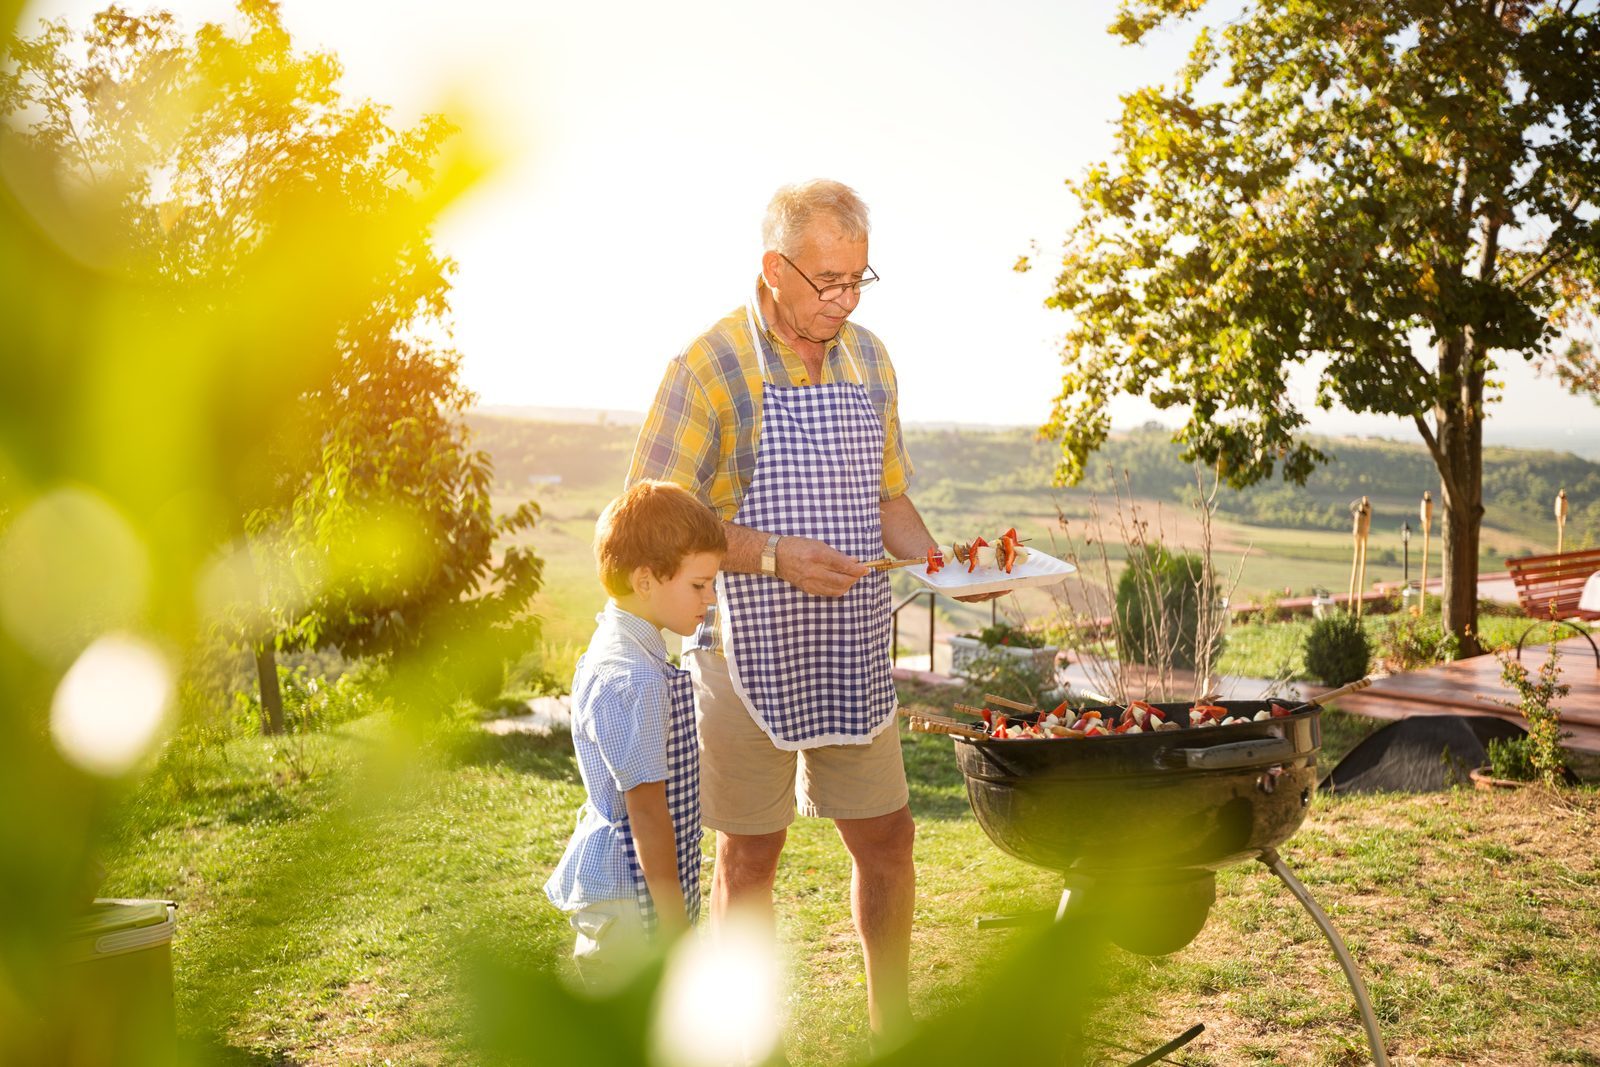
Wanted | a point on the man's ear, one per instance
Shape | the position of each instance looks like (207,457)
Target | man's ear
(770,262)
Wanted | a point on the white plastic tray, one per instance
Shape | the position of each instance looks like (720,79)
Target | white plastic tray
(1040,568)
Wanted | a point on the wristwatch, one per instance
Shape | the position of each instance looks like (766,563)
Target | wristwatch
(769,556)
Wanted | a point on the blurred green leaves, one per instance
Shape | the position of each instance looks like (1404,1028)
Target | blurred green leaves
(226,400)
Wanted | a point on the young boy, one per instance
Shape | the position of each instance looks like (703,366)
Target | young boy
(634,859)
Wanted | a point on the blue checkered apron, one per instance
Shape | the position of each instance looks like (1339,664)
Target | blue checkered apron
(813,670)
(683,802)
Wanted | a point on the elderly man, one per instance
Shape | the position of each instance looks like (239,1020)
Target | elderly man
(783,417)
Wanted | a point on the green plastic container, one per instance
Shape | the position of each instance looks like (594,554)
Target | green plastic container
(122,981)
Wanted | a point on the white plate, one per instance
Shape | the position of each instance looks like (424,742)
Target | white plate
(1038,569)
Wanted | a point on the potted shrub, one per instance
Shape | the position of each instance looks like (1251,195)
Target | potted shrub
(1537,755)
(1002,640)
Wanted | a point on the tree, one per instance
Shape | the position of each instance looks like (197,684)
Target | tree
(1343,183)
(371,519)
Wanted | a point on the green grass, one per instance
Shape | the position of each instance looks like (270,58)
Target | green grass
(328,902)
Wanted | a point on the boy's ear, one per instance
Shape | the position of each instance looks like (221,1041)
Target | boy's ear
(642,579)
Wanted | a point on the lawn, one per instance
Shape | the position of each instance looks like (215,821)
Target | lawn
(330,888)
(1257,649)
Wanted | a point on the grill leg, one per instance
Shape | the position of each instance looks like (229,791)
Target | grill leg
(1275,863)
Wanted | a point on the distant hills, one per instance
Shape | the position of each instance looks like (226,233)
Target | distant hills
(956,464)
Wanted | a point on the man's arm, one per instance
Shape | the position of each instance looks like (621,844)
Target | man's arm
(657,846)
(905,535)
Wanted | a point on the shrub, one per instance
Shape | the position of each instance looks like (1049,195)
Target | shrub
(1003,634)
(1409,642)
(1337,649)
(1158,607)
(1271,609)
(1023,680)
(1512,758)
(1538,755)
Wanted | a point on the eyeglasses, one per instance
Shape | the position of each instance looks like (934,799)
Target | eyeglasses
(834,292)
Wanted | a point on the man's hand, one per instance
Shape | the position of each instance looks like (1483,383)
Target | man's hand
(817,568)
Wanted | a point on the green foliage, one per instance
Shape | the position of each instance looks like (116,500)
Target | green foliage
(213,268)
(1158,606)
(1007,635)
(1537,756)
(1337,649)
(1511,758)
(1409,642)
(993,670)
(1207,263)
(370,511)
(1317,185)
(1270,610)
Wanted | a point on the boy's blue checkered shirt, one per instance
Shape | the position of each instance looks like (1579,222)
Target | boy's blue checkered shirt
(621,706)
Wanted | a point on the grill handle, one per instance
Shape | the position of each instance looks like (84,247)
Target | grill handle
(1233,755)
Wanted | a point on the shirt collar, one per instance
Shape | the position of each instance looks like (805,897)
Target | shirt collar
(648,636)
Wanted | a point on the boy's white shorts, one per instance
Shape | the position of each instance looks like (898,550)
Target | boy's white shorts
(611,944)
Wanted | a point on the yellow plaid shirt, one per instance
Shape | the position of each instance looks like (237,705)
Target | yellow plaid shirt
(704,429)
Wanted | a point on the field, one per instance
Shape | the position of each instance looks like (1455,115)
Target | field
(571,470)
(334,903)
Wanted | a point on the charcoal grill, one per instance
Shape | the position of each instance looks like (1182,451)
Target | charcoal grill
(1137,825)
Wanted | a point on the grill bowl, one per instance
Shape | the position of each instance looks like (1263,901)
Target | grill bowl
(1194,799)
(1138,824)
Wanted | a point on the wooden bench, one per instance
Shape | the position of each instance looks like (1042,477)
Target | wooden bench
(1549,586)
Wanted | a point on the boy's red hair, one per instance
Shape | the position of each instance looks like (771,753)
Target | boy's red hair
(656,525)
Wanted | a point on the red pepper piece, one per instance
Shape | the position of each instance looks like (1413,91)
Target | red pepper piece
(1280,712)
(972,553)
(1000,724)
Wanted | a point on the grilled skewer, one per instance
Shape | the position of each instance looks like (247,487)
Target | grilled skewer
(990,698)
(921,724)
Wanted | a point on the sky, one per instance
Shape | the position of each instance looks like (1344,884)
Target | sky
(641,141)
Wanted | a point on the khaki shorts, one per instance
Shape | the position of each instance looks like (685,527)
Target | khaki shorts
(750,786)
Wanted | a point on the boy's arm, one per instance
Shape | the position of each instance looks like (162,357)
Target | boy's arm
(657,846)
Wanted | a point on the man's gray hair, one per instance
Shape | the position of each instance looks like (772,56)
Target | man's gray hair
(795,207)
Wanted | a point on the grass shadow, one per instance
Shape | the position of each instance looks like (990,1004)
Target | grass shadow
(218,1053)
(938,791)
(541,755)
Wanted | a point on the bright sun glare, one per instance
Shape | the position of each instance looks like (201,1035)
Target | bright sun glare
(719,999)
(112,707)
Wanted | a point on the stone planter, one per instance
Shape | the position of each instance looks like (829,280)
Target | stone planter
(1482,779)
(963,650)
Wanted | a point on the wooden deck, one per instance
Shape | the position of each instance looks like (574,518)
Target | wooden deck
(1469,686)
